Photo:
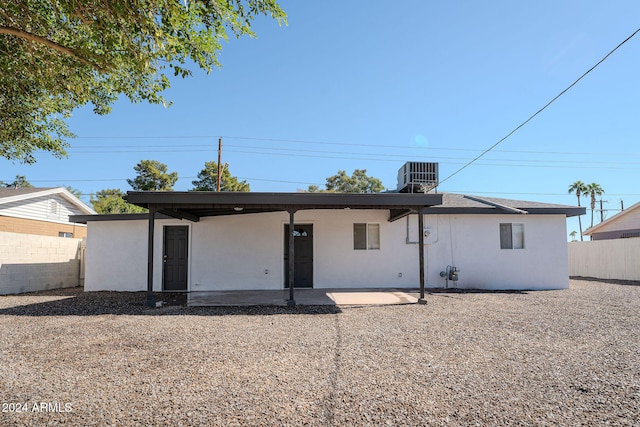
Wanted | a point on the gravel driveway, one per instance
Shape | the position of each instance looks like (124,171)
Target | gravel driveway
(533,358)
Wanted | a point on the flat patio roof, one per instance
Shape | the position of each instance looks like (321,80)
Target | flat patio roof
(193,205)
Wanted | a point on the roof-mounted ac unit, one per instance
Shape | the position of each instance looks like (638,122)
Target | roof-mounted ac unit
(418,177)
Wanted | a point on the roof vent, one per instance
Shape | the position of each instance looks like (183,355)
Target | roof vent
(418,177)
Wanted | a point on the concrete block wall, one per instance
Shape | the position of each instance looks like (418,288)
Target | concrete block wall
(31,263)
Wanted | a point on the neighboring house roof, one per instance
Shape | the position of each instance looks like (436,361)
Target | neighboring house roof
(193,204)
(11,195)
(624,220)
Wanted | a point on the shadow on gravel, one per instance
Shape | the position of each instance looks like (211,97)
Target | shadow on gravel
(609,281)
(75,302)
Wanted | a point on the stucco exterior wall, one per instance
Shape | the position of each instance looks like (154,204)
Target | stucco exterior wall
(247,252)
(252,252)
(472,244)
(116,256)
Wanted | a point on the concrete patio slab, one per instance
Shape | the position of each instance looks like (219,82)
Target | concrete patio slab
(302,297)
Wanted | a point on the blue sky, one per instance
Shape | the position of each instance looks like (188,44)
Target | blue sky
(372,84)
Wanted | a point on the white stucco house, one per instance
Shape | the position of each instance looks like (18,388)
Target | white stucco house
(203,241)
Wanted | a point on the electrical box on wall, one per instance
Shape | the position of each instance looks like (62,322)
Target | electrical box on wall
(430,232)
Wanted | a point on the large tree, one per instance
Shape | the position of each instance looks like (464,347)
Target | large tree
(76,192)
(19,182)
(358,182)
(594,190)
(208,179)
(57,55)
(579,188)
(152,176)
(112,201)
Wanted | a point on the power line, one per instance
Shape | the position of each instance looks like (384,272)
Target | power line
(316,183)
(394,147)
(181,177)
(541,109)
(207,148)
(567,166)
(386,157)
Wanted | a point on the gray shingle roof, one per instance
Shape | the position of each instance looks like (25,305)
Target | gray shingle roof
(460,203)
(10,192)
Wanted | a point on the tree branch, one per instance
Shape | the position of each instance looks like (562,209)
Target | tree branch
(62,49)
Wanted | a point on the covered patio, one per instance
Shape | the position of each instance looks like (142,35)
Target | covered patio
(337,297)
(192,206)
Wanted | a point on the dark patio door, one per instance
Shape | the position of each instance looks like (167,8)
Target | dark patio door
(174,258)
(303,256)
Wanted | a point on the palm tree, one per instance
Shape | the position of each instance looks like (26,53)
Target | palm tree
(573,235)
(579,188)
(594,190)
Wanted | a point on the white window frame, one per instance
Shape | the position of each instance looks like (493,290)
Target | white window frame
(371,236)
(511,235)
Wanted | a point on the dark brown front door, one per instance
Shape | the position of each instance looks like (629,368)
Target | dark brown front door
(303,256)
(174,258)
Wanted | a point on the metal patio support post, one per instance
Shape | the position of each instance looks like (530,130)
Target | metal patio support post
(291,302)
(150,302)
(421,300)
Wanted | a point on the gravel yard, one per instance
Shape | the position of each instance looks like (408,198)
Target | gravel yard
(534,358)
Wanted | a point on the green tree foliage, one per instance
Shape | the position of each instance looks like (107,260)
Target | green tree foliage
(19,182)
(74,191)
(208,179)
(152,176)
(57,55)
(111,201)
(358,182)
(314,189)
(579,188)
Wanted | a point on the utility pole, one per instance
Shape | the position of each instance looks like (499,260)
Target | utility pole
(219,164)
(602,210)
(621,205)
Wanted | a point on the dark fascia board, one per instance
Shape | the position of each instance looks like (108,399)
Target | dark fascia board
(396,214)
(569,211)
(180,214)
(83,219)
(285,201)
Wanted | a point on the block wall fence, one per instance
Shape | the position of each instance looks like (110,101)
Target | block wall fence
(605,259)
(31,263)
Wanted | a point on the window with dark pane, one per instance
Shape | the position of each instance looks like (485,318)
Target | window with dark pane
(511,236)
(366,236)
(360,236)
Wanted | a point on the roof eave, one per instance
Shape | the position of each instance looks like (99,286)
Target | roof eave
(568,212)
(283,200)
